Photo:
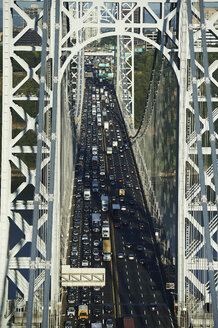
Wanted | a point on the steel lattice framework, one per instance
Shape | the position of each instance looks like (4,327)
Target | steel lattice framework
(197,176)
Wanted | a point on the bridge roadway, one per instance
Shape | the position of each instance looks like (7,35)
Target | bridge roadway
(134,284)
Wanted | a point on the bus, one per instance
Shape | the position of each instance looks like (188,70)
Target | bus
(128,322)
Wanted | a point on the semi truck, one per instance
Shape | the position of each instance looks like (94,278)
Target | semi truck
(106,250)
(83,312)
(104,203)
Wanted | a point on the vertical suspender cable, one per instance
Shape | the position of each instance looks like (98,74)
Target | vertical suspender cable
(52,169)
(201,169)
(37,197)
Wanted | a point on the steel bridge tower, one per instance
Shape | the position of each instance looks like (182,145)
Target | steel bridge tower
(42,151)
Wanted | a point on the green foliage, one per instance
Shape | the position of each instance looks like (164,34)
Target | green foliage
(143,66)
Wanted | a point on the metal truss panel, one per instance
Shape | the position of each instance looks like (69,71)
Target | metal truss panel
(89,277)
(196,266)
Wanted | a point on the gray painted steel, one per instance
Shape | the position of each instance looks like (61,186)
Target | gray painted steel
(37,197)
(201,169)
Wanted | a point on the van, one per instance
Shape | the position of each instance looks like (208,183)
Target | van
(71,312)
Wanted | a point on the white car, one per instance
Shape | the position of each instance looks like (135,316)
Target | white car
(85,263)
(131,256)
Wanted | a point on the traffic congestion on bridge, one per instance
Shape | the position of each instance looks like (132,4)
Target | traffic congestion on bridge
(110,224)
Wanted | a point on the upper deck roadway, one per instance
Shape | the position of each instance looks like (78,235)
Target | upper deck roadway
(134,284)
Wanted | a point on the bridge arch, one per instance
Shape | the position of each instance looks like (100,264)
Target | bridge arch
(79,46)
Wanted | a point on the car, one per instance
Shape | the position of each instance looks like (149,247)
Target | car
(120,255)
(128,244)
(121,199)
(117,224)
(96,242)
(68,324)
(152,307)
(141,225)
(75,232)
(131,256)
(142,261)
(123,208)
(120,180)
(84,301)
(86,222)
(95,251)
(97,299)
(84,291)
(85,229)
(97,258)
(97,312)
(108,308)
(132,211)
(84,236)
(71,312)
(125,222)
(85,263)
(140,248)
(109,323)
(71,298)
(75,239)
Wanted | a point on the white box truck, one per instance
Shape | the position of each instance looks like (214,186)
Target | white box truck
(106,125)
(105,230)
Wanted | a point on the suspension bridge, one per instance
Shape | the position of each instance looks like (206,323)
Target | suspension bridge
(36,213)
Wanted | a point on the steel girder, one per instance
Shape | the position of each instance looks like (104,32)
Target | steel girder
(197,206)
